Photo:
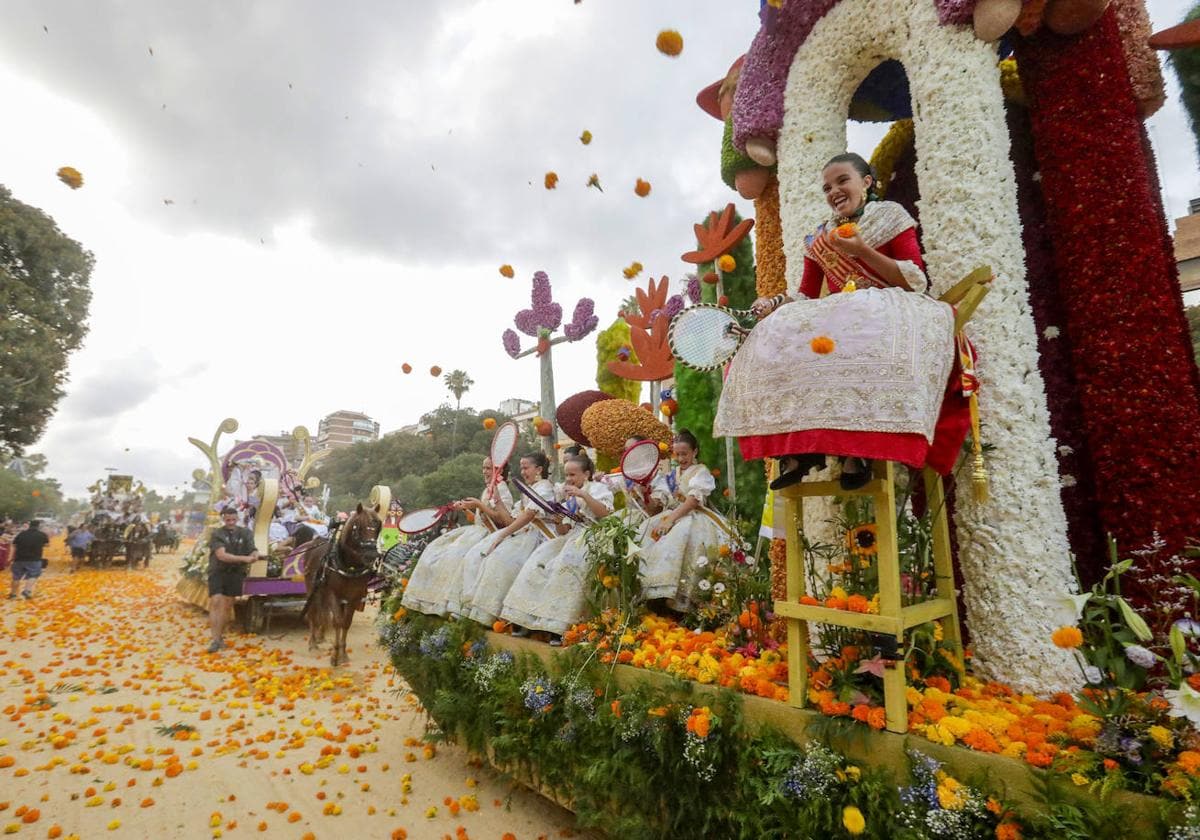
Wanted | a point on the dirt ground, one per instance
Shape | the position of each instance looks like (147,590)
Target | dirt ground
(116,723)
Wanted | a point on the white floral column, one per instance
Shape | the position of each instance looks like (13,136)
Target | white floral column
(1013,550)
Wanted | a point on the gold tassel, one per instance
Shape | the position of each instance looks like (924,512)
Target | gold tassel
(979,475)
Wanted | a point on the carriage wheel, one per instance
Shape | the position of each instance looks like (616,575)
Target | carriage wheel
(255,619)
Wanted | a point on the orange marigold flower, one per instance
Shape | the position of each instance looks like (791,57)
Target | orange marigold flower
(847,230)
(641,188)
(669,42)
(551,180)
(857,603)
(726,263)
(1067,637)
(822,345)
(1008,831)
(877,718)
(506,270)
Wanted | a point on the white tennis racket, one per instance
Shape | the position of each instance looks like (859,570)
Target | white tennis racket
(639,464)
(706,336)
(417,521)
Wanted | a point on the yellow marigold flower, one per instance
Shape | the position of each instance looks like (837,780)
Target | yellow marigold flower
(1079,779)
(1067,637)
(1161,736)
(586,137)
(669,42)
(70,176)
(853,820)
(506,270)
(726,263)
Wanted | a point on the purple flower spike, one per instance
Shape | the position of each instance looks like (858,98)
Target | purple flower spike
(545,313)
(583,321)
(693,288)
(512,343)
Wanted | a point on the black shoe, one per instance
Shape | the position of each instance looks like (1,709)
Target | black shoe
(804,464)
(855,480)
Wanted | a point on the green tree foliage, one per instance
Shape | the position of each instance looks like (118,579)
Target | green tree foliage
(44,297)
(1187,68)
(420,469)
(697,393)
(17,494)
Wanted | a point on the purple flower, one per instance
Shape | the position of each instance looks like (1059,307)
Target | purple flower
(693,288)
(1140,656)
(583,321)
(955,11)
(544,314)
(512,343)
(674,306)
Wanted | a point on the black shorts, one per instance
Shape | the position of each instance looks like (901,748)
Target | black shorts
(78,553)
(225,580)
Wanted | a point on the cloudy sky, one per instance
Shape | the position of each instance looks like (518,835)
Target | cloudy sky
(289,200)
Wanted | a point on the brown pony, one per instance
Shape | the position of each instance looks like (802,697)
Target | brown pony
(138,544)
(337,579)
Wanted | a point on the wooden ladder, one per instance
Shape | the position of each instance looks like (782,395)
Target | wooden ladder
(893,618)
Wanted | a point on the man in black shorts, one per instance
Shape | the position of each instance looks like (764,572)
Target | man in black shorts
(231,551)
(27,558)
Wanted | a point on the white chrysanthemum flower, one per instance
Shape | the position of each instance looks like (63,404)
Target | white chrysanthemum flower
(701,561)
(719,588)
(1069,481)
(704,585)
(1051,333)
(1065,450)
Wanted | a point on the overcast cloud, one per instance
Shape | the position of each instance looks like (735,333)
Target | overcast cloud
(288,200)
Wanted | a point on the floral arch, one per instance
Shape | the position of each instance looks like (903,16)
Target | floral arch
(1013,550)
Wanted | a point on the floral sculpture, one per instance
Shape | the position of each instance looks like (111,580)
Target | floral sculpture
(648,328)
(540,321)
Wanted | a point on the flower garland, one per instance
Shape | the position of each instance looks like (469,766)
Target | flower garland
(1139,407)
(1013,549)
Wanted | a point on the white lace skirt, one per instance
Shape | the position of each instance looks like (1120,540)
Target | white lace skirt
(438,573)
(887,370)
(486,580)
(669,565)
(550,593)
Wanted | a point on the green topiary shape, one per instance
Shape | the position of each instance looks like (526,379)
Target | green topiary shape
(1186,63)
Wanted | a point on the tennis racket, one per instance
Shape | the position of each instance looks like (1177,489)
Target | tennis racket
(706,336)
(504,443)
(421,520)
(639,464)
(549,507)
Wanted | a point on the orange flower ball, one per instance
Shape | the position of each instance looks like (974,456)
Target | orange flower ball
(822,345)
(726,263)
(489,423)
(669,42)
(506,270)
(406,367)
(711,278)
(551,180)
(545,428)
(847,230)
(1067,637)
(641,188)
(435,371)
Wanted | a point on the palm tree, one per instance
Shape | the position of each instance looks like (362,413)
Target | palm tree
(457,383)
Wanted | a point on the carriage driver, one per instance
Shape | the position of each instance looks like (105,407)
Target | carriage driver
(231,551)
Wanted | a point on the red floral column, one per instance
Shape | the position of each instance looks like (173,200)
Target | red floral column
(1138,386)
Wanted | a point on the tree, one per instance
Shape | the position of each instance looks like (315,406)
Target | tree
(44,297)
(458,384)
(1193,319)
(23,496)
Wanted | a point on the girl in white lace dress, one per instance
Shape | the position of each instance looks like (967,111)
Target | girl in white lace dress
(436,580)
(550,593)
(492,564)
(675,540)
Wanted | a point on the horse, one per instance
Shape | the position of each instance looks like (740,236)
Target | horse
(138,545)
(337,572)
(105,547)
(165,538)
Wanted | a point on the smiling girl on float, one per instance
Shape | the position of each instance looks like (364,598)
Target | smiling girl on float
(550,593)
(492,564)
(436,580)
(675,542)
(860,375)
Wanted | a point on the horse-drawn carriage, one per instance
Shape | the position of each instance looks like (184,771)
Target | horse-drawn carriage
(119,527)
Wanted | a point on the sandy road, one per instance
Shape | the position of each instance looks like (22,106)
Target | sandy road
(95,670)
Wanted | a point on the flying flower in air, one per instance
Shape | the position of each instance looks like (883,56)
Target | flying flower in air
(506,270)
(641,188)
(406,367)
(632,270)
(594,181)
(435,371)
(669,42)
(70,176)
(586,137)
(551,180)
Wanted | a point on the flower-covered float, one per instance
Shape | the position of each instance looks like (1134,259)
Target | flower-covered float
(1073,710)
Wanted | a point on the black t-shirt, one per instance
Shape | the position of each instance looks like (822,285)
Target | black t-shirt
(236,540)
(29,544)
